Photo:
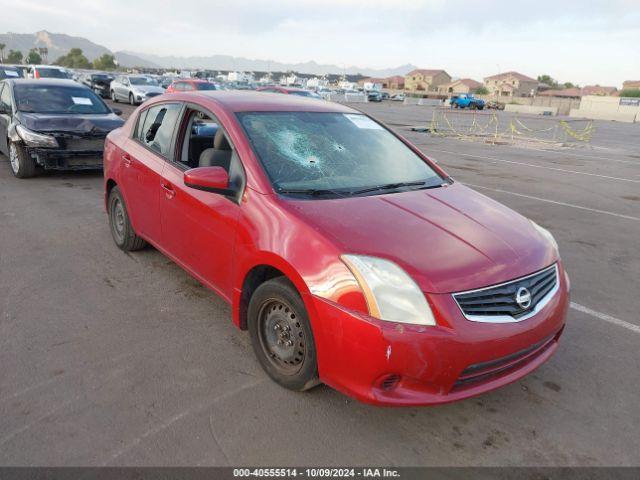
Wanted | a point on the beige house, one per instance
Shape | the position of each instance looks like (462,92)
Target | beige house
(511,84)
(463,85)
(425,80)
(631,85)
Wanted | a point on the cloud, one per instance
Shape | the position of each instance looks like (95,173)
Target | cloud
(573,40)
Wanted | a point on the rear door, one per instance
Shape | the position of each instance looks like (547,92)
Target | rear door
(143,160)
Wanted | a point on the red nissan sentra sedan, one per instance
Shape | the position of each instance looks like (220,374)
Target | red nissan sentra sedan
(350,257)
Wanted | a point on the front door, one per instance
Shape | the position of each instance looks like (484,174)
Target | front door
(198,228)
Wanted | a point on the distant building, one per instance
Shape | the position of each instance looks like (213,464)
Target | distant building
(316,82)
(240,77)
(395,82)
(425,80)
(463,85)
(562,93)
(631,85)
(579,92)
(598,90)
(511,84)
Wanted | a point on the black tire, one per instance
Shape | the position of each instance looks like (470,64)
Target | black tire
(114,98)
(120,225)
(132,100)
(277,314)
(21,164)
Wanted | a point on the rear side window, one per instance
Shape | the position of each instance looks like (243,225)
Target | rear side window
(158,127)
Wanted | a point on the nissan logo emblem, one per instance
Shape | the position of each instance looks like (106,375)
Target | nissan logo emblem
(523,298)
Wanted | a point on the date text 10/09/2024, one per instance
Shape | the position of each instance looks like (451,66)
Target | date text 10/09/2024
(316,472)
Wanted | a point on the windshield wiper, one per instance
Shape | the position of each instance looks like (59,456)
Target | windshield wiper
(314,192)
(389,186)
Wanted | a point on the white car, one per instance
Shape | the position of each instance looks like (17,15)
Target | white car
(134,89)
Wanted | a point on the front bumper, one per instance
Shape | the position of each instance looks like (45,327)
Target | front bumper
(53,159)
(387,363)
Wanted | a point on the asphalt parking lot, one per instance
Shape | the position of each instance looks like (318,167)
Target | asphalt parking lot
(109,358)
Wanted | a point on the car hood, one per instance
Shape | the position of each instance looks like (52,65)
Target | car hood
(147,89)
(448,239)
(70,123)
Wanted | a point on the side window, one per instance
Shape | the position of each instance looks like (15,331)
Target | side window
(158,127)
(178,86)
(187,87)
(5,97)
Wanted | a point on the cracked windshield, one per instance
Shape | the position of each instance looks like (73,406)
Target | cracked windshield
(312,152)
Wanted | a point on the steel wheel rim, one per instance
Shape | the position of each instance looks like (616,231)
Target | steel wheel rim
(13,158)
(118,219)
(281,336)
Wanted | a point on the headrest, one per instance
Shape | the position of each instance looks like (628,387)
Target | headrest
(220,141)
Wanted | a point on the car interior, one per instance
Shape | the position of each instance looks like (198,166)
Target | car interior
(207,145)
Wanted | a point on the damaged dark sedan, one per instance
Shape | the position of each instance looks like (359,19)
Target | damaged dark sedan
(53,125)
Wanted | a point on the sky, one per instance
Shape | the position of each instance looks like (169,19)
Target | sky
(585,42)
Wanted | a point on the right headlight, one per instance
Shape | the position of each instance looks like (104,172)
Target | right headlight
(391,294)
(35,139)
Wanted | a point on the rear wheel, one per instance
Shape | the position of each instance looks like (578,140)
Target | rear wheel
(22,165)
(281,335)
(120,225)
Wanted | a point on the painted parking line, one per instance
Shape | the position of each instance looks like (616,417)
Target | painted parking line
(557,169)
(564,204)
(605,317)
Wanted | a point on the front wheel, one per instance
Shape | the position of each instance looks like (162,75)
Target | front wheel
(281,335)
(132,100)
(113,97)
(120,225)
(22,165)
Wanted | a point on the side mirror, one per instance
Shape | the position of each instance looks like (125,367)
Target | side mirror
(208,179)
(3,109)
(117,111)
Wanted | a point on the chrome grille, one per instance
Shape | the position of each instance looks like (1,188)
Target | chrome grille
(506,302)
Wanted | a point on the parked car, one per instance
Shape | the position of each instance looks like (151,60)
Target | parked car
(494,105)
(23,70)
(398,97)
(100,83)
(7,71)
(47,71)
(190,85)
(301,92)
(134,89)
(466,100)
(418,289)
(374,96)
(52,125)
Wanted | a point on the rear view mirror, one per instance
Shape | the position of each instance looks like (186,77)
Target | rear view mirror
(208,179)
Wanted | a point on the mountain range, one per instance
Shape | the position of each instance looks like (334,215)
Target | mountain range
(59,44)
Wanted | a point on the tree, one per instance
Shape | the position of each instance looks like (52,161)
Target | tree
(570,85)
(630,92)
(482,90)
(2,47)
(548,80)
(15,56)
(105,62)
(73,59)
(33,57)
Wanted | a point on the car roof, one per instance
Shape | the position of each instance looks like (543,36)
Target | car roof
(252,101)
(46,81)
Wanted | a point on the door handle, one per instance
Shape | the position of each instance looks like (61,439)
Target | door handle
(168,190)
(126,160)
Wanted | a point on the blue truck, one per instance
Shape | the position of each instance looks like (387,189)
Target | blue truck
(465,100)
